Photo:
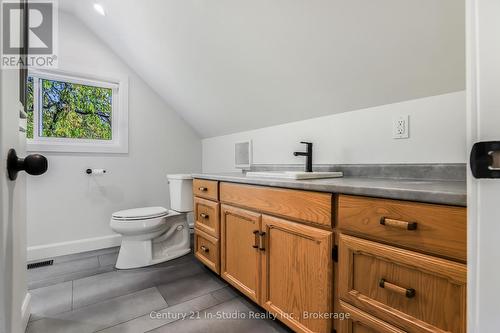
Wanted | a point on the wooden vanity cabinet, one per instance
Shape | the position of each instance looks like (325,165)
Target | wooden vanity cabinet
(282,262)
(401,265)
(284,266)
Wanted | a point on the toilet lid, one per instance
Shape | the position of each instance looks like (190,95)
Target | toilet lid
(140,213)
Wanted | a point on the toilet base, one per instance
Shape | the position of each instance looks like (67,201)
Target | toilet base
(171,244)
(140,262)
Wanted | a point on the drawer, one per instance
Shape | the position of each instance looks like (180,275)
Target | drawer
(206,249)
(207,216)
(206,189)
(361,322)
(304,206)
(416,292)
(435,229)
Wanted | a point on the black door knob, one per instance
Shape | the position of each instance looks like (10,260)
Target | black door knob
(34,164)
(482,161)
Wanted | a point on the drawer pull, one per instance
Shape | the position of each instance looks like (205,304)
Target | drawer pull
(409,293)
(203,215)
(205,249)
(261,241)
(203,189)
(398,224)
(256,241)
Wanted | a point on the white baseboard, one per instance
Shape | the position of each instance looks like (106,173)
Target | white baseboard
(82,245)
(26,311)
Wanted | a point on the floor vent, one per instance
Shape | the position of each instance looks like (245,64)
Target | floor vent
(41,264)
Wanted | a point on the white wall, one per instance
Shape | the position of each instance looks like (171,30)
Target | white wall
(437,135)
(66,205)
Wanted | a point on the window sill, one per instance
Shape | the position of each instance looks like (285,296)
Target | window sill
(70,146)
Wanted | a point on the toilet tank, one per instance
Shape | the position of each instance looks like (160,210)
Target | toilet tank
(181,192)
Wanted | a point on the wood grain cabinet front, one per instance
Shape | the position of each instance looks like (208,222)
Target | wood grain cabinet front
(206,249)
(284,266)
(240,254)
(362,322)
(434,229)
(416,292)
(302,206)
(297,274)
(275,246)
(207,189)
(207,216)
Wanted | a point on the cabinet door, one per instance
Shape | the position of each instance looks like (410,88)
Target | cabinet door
(240,257)
(297,274)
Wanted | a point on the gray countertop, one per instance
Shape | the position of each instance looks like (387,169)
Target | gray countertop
(432,191)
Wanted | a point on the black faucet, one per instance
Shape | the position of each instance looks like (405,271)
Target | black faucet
(308,154)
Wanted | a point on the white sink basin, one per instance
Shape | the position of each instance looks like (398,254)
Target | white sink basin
(294,174)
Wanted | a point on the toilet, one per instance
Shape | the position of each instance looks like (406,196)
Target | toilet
(152,235)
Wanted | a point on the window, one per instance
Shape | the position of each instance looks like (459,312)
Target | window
(76,114)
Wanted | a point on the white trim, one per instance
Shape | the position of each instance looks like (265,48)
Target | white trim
(26,311)
(82,245)
(472,184)
(119,141)
(83,79)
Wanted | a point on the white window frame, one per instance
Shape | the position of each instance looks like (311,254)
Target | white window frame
(119,114)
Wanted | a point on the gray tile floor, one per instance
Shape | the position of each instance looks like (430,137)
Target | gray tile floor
(179,296)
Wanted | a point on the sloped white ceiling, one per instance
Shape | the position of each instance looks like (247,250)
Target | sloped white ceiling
(233,65)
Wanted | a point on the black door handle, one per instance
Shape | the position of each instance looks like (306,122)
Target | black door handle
(482,161)
(34,164)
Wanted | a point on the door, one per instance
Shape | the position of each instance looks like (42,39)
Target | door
(483,85)
(240,257)
(15,300)
(297,274)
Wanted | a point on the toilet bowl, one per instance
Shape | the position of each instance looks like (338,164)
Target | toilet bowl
(152,235)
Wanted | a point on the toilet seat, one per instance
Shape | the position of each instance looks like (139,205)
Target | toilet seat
(143,213)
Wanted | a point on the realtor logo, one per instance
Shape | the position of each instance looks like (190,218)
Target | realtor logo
(40,46)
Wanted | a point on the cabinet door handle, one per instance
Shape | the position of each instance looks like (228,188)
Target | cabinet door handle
(205,249)
(398,224)
(203,215)
(256,239)
(262,241)
(409,293)
(203,189)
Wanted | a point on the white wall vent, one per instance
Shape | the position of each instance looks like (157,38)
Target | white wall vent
(243,154)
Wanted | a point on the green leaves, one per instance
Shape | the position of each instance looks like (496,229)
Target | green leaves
(29,108)
(72,110)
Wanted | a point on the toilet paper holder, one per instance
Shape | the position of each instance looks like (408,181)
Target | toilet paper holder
(95,171)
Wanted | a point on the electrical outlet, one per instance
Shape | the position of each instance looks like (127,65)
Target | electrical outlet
(401,127)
